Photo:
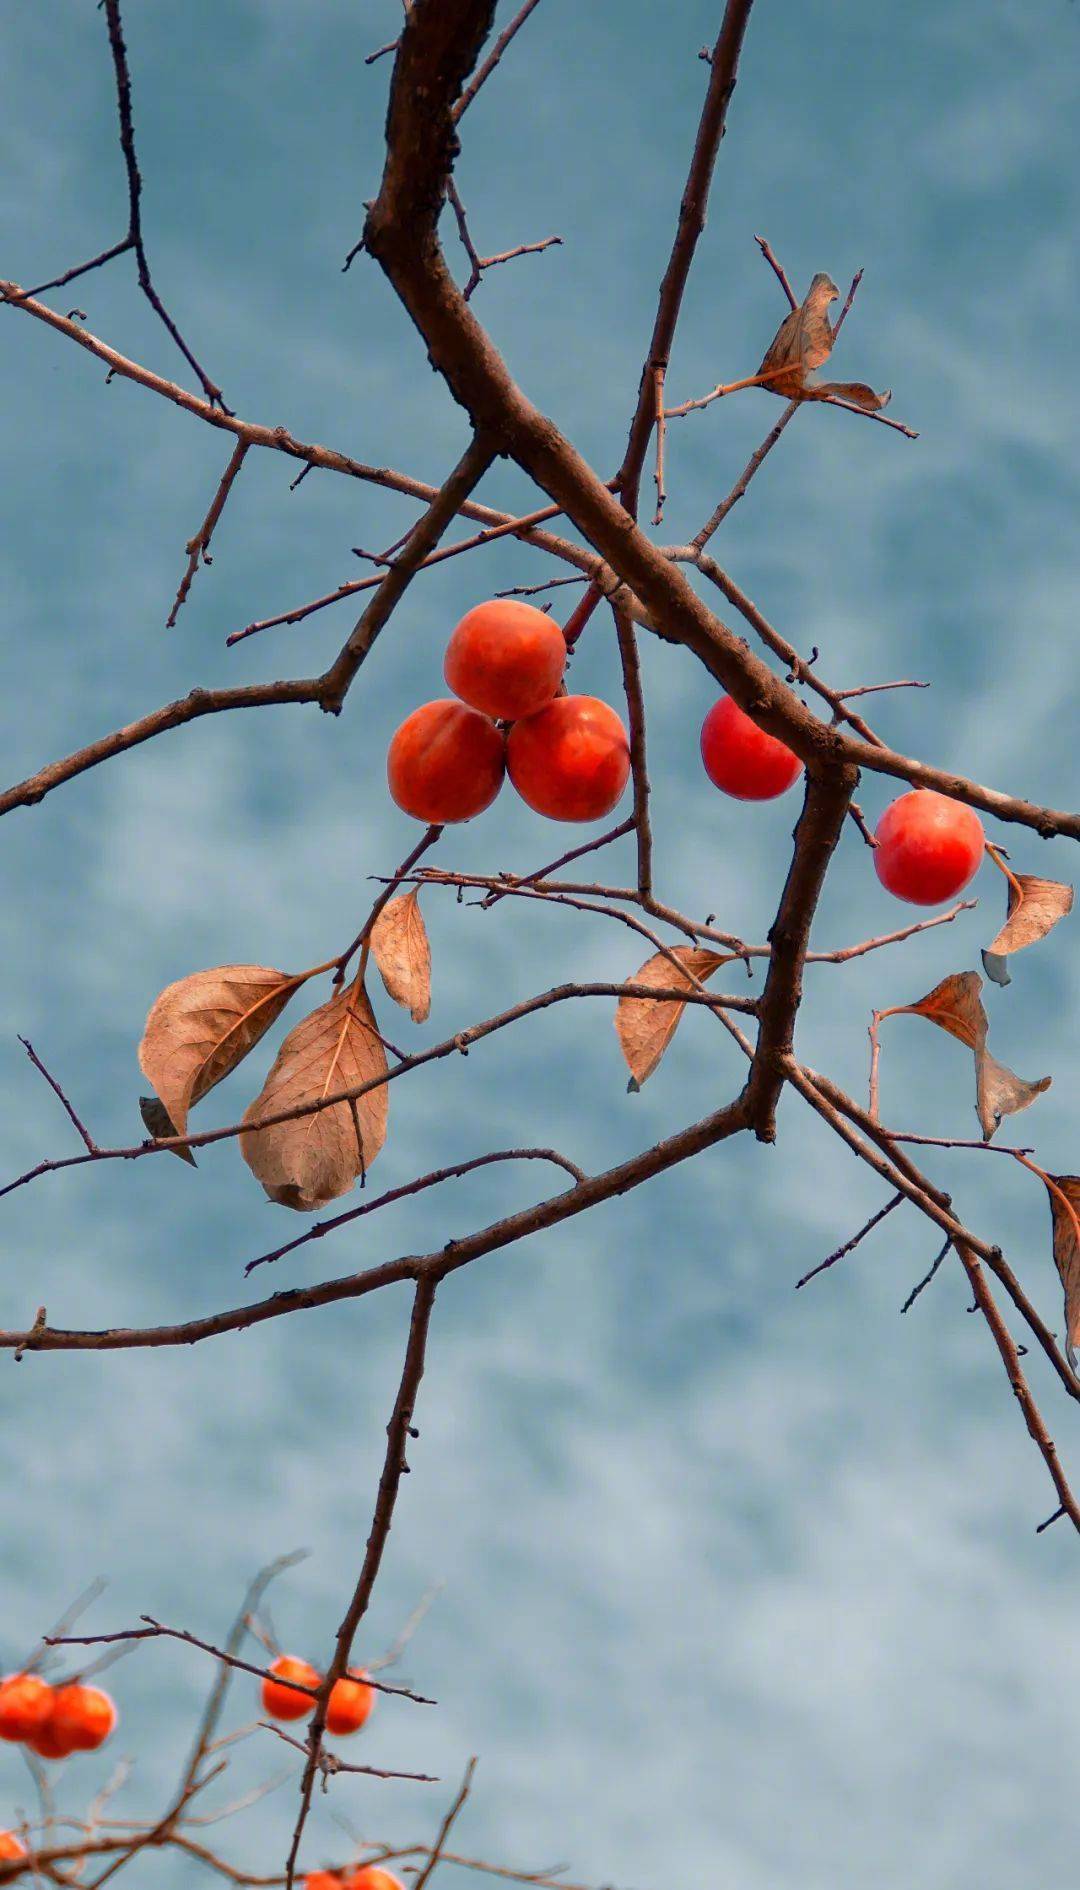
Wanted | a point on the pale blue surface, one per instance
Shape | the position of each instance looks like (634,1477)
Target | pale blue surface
(741,1586)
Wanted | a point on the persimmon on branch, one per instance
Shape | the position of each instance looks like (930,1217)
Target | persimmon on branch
(321,1116)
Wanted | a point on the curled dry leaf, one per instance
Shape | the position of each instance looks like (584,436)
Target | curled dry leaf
(203,1026)
(999,1092)
(158,1121)
(313,1158)
(1064,1192)
(646,1025)
(400,948)
(956,1005)
(804,341)
(1035,906)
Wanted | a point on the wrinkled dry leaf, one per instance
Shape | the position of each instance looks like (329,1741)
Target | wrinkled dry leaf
(999,1092)
(400,948)
(1067,1255)
(314,1158)
(955,1005)
(803,342)
(856,392)
(645,1026)
(1032,914)
(158,1121)
(202,1027)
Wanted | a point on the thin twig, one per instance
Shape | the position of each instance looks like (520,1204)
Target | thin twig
(198,548)
(925,1281)
(84,1132)
(838,1253)
(778,271)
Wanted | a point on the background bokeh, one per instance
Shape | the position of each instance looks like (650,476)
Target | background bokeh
(741,1586)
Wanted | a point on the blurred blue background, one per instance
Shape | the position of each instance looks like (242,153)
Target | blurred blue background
(741,1586)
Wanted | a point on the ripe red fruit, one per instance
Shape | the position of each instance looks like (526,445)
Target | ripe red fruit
(373,1877)
(83,1716)
(928,847)
(322,1880)
(10,1848)
(25,1704)
(741,759)
(445,762)
(571,760)
(506,659)
(350,1703)
(51,1741)
(284,1702)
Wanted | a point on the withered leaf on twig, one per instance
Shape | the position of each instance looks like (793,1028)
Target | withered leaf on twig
(400,948)
(157,1119)
(955,1005)
(313,1158)
(803,342)
(1033,912)
(1067,1253)
(201,1027)
(646,1025)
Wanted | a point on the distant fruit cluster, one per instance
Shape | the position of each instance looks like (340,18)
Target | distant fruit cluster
(928,846)
(567,756)
(54,1721)
(370,1877)
(350,1703)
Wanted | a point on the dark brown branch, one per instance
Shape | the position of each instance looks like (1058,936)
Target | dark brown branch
(816,835)
(723,68)
(395,1466)
(422,539)
(635,713)
(1006,1346)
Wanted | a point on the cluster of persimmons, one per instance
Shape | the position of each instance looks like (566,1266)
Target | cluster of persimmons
(350,1703)
(52,1721)
(569,756)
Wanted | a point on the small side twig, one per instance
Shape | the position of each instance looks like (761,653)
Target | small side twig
(838,1253)
(87,1139)
(198,548)
(925,1281)
(778,271)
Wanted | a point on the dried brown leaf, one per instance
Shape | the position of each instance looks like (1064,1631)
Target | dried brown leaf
(855,392)
(955,1005)
(1034,910)
(400,948)
(999,1092)
(1067,1252)
(647,1025)
(158,1121)
(803,342)
(314,1158)
(201,1027)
